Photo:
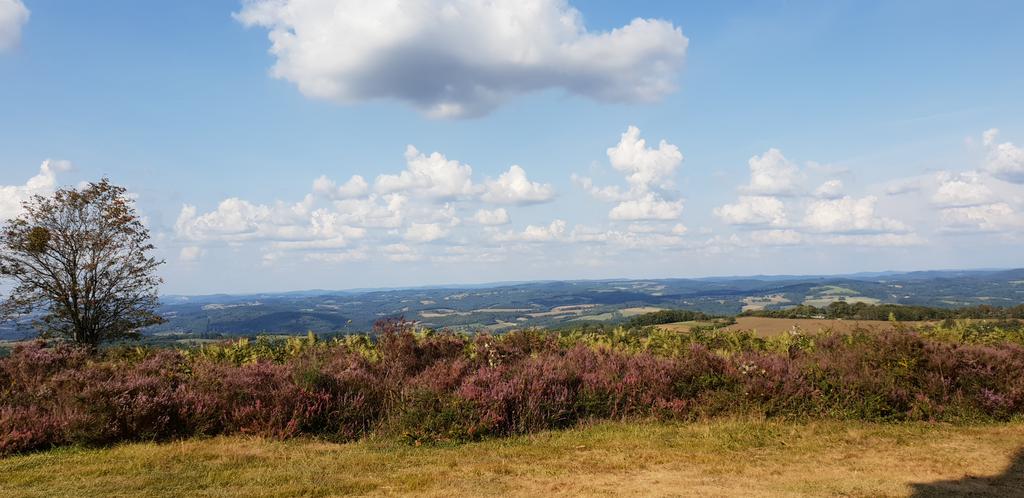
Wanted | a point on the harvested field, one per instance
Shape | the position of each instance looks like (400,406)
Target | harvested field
(628,312)
(774,326)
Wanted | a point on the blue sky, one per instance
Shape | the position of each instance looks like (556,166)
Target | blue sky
(799,137)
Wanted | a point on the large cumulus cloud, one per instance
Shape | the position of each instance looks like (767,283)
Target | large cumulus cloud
(462,58)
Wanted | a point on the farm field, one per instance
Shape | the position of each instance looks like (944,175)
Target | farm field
(715,458)
(769,327)
(774,326)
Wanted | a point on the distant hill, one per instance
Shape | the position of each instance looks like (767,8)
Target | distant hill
(503,306)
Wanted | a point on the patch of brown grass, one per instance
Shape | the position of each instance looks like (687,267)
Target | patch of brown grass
(716,458)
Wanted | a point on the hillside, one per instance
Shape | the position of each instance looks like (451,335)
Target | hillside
(505,306)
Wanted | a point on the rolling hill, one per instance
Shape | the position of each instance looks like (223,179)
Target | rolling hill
(505,306)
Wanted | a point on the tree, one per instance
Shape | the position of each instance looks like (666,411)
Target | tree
(81,266)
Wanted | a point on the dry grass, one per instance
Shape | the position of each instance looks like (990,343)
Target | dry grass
(719,458)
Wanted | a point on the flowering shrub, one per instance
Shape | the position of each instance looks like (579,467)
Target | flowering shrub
(426,386)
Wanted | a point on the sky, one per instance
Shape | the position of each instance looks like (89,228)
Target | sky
(277,145)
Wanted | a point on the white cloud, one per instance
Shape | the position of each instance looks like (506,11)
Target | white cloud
(611,193)
(1005,161)
(973,202)
(753,210)
(535,233)
(645,168)
(13,16)
(776,237)
(492,217)
(831,189)
(337,257)
(772,174)
(461,58)
(401,253)
(627,239)
(721,245)
(373,211)
(649,172)
(848,214)
(356,186)
(513,187)
(403,206)
(643,228)
(434,204)
(463,254)
(333,237)
(649,206)
(288,226)
(190,254)
(44,182)
(877,240)
(425,232)
(237,220)
(433,176)
(904,186)
(984,218)
(965,189)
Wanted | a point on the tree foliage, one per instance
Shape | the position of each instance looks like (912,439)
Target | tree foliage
(666,316)
(81,265)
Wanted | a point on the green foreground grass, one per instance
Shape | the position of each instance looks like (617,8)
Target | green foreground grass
(716,458)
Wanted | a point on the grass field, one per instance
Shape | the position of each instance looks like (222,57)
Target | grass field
(718,458)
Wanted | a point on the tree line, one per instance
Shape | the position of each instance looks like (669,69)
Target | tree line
(898,312)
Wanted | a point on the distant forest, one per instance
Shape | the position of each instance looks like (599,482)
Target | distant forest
(863,311)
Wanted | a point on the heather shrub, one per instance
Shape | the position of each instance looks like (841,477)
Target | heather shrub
(427,386)
(27,428)
(355,394)
(261,399)
(110,401)
(512,346)
(29,365)
(427,415)
(616,386)
(515,397)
